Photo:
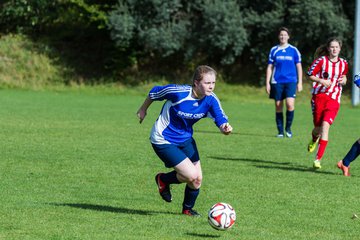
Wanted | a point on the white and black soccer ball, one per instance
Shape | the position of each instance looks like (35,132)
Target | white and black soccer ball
(221,216)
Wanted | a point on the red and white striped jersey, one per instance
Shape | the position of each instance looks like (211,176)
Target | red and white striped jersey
(326,69)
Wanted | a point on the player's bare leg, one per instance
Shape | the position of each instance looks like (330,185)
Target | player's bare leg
(190,173)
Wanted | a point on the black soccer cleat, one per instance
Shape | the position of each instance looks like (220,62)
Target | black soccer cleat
(164,189)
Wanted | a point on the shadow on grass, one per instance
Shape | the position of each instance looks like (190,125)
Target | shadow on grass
(288,166)
(103,208)
(236,133)
(250,160)
(203,235)
(298,169)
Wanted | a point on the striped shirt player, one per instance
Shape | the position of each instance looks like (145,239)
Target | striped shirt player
(333,71)
(171,135)
(283,79)
(328,73)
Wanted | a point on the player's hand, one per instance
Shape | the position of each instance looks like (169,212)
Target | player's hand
(299,87)
(141,114)
(343,80)
(268,87)
(325,83)
(226,128)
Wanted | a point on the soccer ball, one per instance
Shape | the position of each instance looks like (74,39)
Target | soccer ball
(221,216)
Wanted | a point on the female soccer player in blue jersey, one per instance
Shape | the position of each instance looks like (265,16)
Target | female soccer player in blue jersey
(283,78)
(354,151)
(171,135)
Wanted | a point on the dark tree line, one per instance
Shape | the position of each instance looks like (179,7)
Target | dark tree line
(131,39)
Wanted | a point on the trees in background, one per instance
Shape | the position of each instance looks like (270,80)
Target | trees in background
(170,37)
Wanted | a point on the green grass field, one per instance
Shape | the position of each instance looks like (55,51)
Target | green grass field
(77,165)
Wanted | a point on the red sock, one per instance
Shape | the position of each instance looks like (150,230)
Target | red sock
(321,149)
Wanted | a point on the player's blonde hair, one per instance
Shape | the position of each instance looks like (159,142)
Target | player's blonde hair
(200,71)
(323,50)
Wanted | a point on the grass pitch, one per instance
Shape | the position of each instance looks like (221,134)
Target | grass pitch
(77,165)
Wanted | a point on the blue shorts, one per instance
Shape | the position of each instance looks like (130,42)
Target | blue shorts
(280,91)
(172,154)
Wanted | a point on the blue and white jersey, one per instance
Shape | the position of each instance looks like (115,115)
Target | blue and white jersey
(284,60)
(180,112)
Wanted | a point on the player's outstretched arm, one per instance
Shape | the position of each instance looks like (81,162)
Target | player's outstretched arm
(141,113)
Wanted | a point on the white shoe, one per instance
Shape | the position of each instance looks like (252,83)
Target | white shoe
(317,164)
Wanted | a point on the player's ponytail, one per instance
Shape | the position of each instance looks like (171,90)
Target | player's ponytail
(323,50)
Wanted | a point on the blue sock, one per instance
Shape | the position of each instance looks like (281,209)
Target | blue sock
(289,120)
(190,197)
(280,122)
(352,154)
(169,178)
